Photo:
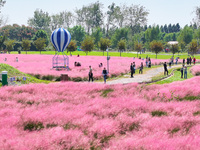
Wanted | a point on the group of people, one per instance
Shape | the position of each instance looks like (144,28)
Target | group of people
(148,62)
(189,60)
(104,73)
(133,68)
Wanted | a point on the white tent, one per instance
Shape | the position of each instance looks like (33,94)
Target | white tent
(172,42)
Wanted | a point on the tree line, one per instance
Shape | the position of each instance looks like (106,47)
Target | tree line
(121,27)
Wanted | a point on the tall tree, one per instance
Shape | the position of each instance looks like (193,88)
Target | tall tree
(41,34)
(122,45)
(137,16)
(110,17)
(10,45)
(156,46)
(88,44)
(40,20)
(97,35)
(137,47)
(26,44)
(72,46)
(196,20)
(119,34)
(40,44)
(186,35)
(174,48)
(77,34)
(193,47)
(104,43)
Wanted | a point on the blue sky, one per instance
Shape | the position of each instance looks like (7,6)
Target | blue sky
(160,11)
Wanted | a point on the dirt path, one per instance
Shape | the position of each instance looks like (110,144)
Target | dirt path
(140,77)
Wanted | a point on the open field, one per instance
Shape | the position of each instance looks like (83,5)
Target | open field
(82,115)
(117,54)
(42,65)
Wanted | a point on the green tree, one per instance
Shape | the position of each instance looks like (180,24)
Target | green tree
(88,44)
(2,40)
(40,44)
(104,43)
(72,46)
(193,47)
(77,34)
(174,48)
(119,34)
(40,20)
(121,45)
(137,47)
(156,46)
(41,34)
(97,35)
(26,44)
(186,35)
(10,45)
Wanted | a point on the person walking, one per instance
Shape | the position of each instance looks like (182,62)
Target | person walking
(176,60)
(185,72)
(90,74)
(104,73)
(146,62)
(132,70)
(149,63)
(141,68)
(182,71)
(194,60)
(190,60)
(183,61)
(133,67)
(165,68)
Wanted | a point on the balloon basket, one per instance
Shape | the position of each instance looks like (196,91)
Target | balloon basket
(60,62)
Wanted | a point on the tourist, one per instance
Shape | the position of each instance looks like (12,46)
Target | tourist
(131,69)
(149,62)
(190,60)
(104,73)
(90,74)
(194,60)
(16,59)
(141,68)
(134,67)
(183,61)
(185,72)
(165,68)
(100,65)
(182,71)
(176,60)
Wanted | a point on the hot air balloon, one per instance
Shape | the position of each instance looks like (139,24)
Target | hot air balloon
(60,39)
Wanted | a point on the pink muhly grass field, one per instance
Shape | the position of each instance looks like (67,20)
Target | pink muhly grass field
(42,64)
(195,70)
(71,115)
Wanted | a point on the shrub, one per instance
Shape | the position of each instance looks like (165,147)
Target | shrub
(105,92)
(158,113)
(32,126)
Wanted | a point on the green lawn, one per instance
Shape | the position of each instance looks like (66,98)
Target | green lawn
(12,72)
(123,54)
(176,77)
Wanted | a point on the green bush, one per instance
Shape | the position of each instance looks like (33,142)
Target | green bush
(158,113)
(33,126)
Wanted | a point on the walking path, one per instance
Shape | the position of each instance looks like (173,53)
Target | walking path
(140,77)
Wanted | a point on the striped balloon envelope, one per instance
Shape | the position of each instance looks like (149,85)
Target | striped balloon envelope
(60,38)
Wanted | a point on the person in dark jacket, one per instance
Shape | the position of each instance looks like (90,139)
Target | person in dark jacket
(182,71)
(141,68)
(104,73)
(132,70)
(165,68)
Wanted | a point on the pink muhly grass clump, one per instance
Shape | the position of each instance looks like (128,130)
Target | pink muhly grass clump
(195,70)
